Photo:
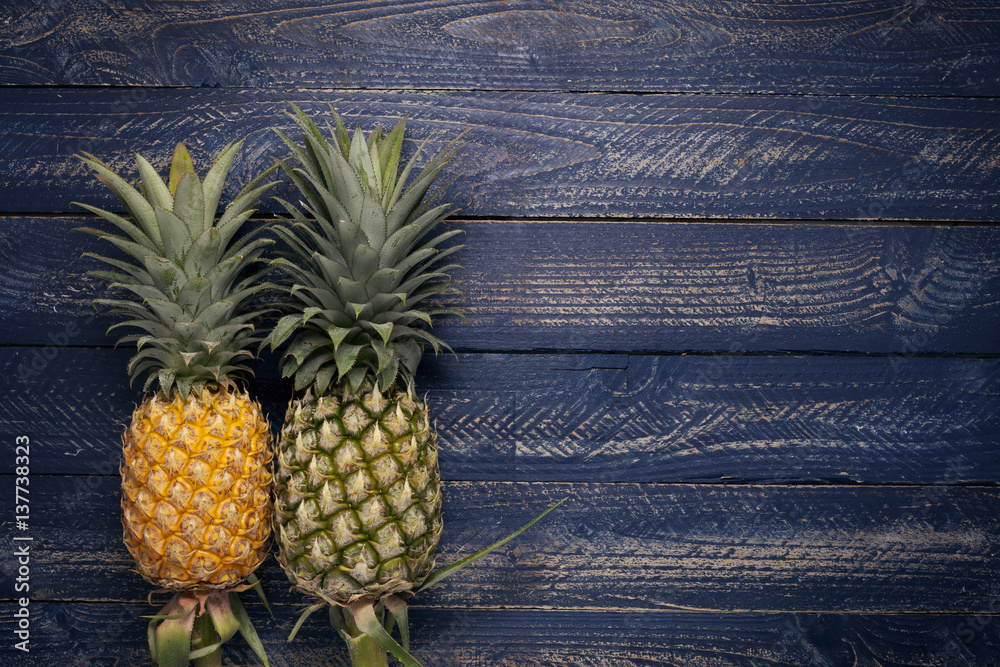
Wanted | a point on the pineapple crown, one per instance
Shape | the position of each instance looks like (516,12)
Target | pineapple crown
(190,277)
(360,268)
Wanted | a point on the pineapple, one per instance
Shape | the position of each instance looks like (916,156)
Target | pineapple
(357,483)
(196,476)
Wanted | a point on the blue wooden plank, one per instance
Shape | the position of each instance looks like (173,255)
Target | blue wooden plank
(602,418)
(558,154)
(735,548)
(627,287)
(113,634)
(838,47)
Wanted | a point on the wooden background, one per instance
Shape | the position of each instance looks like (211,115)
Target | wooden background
(732,285)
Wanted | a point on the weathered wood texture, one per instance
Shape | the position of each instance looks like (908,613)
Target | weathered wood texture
(622,45)
(533,154)
(860,549)
(92,635)
(777,423)
(628,287)
(599,418)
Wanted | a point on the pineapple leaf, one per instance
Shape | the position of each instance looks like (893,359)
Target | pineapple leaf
(165,275)
(387,376)
(385,355)
(221,612)
(364,617)
(302,618)
(173,635)
(128,247)
(247,197)
(175,233)
(180,166)
(397,607)
(194,294)
(399,246)
(381,282)
(307,371)
(437,576)
(373,222)
(324,203)
(364,263)
(345,358)
(135,271)
(393,201)
(391,148)
(333,271)
(304,345)
(284,328)
(309,129)
(384,330)
(247,629)
(340,135)
(134,232)
(202,253)
(323,242)
(136,205)
(338,334)
(351,236)
(324,376)
(215,180)
(351,291)
(153,187)
(189,204)
(360,158)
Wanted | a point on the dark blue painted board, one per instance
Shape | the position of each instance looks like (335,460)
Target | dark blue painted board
(626,287)
(601,418)
(839,47)
(565,154)
(620,547)
(113,634)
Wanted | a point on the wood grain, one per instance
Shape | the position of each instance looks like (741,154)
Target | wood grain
(620,547)
(600,418)
(628,287)
(113,634)
(837,47)
(537,155)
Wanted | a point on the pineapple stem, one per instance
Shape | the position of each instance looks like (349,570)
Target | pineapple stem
(205,630)
(366,652)
(363,650)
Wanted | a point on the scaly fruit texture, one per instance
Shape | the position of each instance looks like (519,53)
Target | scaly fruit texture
(196,483)
(359,508)
(196,476)
(358,499)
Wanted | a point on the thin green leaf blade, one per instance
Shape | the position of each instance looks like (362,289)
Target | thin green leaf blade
(302,618)
(437,576)
(364,617)
(246,628)
(397,607)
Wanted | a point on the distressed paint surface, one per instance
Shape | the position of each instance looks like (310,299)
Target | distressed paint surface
(739,548)
(567,154)
(488,638)
(731,285)
(838,47)
(646,287)
(601,418)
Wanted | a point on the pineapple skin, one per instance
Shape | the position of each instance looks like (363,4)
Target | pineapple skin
(358,494)
(196,483)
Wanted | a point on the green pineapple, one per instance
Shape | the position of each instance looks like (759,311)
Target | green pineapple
(357,484)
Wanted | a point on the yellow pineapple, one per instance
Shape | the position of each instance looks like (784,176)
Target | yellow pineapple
(196,489)
(196,475)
